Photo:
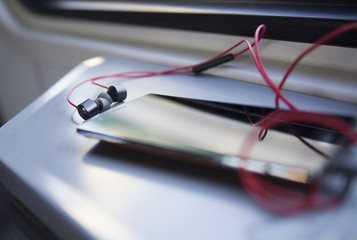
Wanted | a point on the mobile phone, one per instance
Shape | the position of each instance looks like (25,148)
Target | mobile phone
(212,133)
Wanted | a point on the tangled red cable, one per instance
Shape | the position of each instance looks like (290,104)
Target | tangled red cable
(279,199)
(273,197)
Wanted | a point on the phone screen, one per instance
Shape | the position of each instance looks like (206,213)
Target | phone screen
(212,133)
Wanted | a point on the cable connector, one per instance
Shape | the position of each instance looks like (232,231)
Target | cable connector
(213,63)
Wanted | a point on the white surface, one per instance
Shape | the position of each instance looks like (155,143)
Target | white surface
(84,190)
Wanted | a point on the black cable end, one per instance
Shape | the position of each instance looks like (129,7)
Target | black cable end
(213,63)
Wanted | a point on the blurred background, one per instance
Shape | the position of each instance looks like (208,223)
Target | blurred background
(40,41)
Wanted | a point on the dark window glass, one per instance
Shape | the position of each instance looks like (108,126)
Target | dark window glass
(303,21)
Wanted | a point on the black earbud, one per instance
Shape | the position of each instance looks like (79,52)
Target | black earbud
(90,108)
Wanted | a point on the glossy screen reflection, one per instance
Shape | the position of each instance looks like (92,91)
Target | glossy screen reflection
(212,133)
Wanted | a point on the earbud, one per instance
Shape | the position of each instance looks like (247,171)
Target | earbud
(117,93)
(106,96)
(90,108)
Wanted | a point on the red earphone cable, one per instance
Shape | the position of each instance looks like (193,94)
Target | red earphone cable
(326,38)
(278,199)
(179,70)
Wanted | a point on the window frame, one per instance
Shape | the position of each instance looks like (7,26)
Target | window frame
(298,21)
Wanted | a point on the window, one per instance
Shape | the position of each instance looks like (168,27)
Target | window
(302,21)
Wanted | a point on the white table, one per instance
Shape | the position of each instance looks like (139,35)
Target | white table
(84,189)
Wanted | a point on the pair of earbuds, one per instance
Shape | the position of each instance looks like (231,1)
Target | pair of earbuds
(90,108)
